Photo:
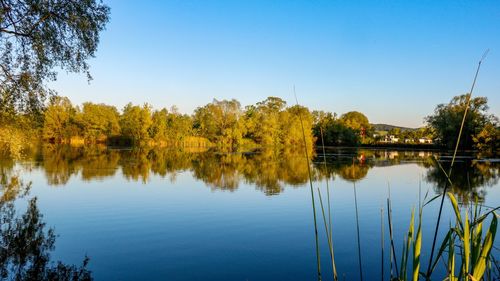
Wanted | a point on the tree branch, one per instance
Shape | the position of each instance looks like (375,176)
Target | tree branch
(14,32)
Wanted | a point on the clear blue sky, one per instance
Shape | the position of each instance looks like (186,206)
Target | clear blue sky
(392,60)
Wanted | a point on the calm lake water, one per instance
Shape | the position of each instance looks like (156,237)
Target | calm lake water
(195,215)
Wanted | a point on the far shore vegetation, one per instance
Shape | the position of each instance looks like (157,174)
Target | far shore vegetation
(227,126)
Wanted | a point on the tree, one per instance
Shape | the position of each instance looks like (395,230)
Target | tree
(267,129)
(135,122)
(322,124)
(488,139)
(59,117)
(296,123)
(346,130)
(250,121)
(355,120)
(37,36)
(220,122)
(98,121)
(178,126)
(158,128)
(447,119)
(358,123)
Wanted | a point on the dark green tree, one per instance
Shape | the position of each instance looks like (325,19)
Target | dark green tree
(323,123)
(343,131)
(447,119)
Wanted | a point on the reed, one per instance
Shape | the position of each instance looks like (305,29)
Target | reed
(467,235)
(318,258)
(474,246)
(330,244)
(327,186)
(453,161)
(466,249)
(391,237)
(329,228)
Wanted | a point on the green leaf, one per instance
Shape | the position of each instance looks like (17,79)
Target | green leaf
(480,267)
(432,199)
(454,203)
(484,216)
(466,242)
(451,260)
(416,249)
(476,243)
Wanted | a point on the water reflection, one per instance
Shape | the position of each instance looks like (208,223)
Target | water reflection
(25,241)
(159,220)
(268,170)
(470,178)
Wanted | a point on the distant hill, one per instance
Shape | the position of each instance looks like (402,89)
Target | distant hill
(386,127)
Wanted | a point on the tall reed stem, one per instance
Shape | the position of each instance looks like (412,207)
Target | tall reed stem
(329,229)
(327,186)
(318,258)
(330,245)
(451,165)
(393,253)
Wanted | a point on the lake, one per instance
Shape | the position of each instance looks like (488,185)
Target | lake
(178,214)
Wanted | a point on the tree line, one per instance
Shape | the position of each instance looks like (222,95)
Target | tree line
(221,123)
(224,123)
(227,125)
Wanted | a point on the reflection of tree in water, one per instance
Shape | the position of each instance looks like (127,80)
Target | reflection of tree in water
(169,162)
(135,164)
(269,170)
(98,163)
(262,170)
(469,178)
(220,171)
(6,167)
(12,187)
(26,243)
(294,167)
(353,172)
(348,165)
(59,163)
